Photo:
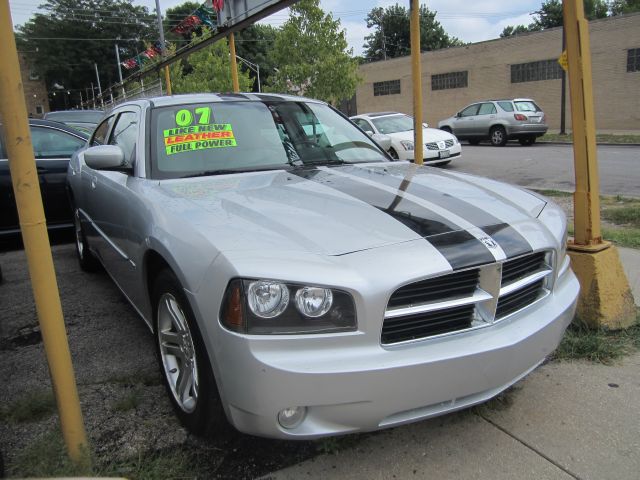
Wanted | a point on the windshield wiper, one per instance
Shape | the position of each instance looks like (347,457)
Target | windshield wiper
(325,161)
(224,171)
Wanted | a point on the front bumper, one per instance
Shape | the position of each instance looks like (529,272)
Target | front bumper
(350,386)
(433,157)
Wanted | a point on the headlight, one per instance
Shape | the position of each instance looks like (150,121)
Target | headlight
(455,140)
(407,144)
(263,307)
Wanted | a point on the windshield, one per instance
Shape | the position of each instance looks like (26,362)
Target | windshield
(527,106)
(393,124)
(226,137)
(75,117)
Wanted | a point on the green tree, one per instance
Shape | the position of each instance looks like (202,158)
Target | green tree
(312,56)
(619,7)
(85,22)
(391,37)
(255,44)
(209,70)
(550,15)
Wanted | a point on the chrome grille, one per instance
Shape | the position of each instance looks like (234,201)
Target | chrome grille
(466,299)
(459,284)
(448,143)
(432,146)
(427,324)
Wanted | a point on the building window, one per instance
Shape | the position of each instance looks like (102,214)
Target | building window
(390,87)
(444,81)
(39,109)
(534,71)
(633,60)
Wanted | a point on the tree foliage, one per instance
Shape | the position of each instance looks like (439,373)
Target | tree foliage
(550,14)
(312,56)
(391,37)
(69,63)
(255,44)
(209,70)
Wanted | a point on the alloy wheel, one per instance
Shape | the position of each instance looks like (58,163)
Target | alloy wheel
(178,353)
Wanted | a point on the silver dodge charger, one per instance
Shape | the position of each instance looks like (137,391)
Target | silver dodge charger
(300,283)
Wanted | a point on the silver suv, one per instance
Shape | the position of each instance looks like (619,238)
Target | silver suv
(498,121)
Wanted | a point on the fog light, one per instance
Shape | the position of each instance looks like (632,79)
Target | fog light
(291,417)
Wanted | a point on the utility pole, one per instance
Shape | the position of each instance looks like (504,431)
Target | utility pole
(167,77)
(234,64)
(384,42)
(99,87)
(124,94)
(605,297)
(93,96)
(563,93)
(416,75)
(26,188)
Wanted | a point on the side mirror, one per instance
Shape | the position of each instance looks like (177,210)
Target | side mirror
(383,140)
(105,157)
(425,125)
(458,115)
(369,132)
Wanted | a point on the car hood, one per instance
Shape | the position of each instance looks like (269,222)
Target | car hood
(428,135)
(344,209)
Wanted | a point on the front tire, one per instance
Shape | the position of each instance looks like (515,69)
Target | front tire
(87,261)
(498,136)
(183,359)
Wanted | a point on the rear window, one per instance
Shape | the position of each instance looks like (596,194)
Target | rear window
(527,106)
(506,106)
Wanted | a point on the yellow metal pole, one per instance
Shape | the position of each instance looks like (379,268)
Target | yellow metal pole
(416,76)
(167,79)
(234,64)
(605,297)
(13,112)
(586,197)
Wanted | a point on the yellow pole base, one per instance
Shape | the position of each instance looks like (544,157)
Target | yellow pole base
(605,298)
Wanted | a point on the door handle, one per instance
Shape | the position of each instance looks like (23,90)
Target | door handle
(94,181)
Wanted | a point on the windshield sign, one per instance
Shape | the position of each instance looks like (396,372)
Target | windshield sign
(228,137)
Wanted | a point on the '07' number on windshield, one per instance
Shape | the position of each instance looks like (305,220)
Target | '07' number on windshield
(184,117)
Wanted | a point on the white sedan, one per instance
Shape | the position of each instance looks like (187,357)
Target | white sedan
(439,146)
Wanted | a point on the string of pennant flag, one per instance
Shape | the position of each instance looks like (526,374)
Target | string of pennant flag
(204,15)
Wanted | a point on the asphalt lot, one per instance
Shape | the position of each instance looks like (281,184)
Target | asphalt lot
(550,166)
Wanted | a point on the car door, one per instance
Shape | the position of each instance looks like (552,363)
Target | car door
(52,148)
(364,125)
(463,123)
(485,118)
(107,194)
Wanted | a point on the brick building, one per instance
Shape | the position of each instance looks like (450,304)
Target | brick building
(520,66)
(35,89)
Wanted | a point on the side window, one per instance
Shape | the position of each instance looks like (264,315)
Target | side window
(124,135)
(363,124)
(506,106)
(51,143)
(469,111)
(100,134)
(487,109)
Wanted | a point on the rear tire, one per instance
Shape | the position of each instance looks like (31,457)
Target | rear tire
(87,261)
(498,136)
(183,359)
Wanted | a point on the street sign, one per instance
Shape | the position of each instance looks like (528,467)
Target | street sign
(563,60)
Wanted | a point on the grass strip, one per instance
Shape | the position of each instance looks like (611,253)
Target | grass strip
(600,138)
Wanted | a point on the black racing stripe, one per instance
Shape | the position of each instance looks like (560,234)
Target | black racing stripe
(511,242)
(460,248)
(416,217)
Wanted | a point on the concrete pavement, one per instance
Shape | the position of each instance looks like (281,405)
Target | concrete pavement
(566,420)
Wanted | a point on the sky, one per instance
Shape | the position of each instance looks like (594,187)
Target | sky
(469,21)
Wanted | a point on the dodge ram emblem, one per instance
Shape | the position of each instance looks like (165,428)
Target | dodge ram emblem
(489,242)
